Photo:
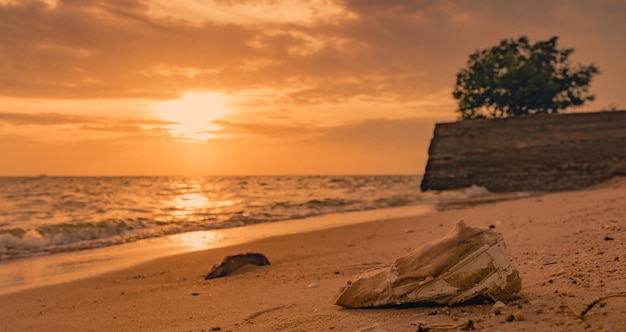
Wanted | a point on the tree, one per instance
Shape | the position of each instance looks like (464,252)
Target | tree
(516,78)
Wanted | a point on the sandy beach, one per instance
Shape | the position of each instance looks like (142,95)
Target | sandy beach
(570,250)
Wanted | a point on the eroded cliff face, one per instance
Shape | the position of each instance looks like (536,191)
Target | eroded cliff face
(533,153)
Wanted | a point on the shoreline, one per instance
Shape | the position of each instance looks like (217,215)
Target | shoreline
(570,249)
(33,272)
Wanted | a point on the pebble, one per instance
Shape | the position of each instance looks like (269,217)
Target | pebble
(497,307)
(499,304)
(313,285)
(548,261)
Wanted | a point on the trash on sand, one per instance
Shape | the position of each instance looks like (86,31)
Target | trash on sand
(467,264)
(233,263)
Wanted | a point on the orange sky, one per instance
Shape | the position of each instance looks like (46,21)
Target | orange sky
(241,87)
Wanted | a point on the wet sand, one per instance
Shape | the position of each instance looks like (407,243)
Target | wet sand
(570,249)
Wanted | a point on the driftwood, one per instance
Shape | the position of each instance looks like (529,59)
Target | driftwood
(231,264)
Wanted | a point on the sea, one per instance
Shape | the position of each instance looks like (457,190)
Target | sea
(46,215)
(59,229)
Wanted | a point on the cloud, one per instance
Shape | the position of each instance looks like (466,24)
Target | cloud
(100,49)
(374,7)
(110,49)
(310,80)
(83,122)
(265,131)
(377,134)
(392,51)
(367,133)
(42,119)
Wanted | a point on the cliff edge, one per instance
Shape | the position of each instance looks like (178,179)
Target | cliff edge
(548,152)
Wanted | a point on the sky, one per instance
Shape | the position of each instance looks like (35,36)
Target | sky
(263,87)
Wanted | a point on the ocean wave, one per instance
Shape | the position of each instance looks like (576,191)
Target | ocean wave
(18,242)
(63,214)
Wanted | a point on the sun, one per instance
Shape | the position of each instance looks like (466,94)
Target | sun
(192,114)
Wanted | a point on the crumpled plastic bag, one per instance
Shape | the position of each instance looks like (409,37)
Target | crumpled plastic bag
(466,264)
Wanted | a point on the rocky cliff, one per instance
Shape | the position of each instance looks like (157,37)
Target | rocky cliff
(533,153)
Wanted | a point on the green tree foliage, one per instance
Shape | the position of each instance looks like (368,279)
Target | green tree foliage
(516,78)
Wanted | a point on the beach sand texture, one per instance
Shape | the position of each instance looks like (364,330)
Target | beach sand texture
(570,249)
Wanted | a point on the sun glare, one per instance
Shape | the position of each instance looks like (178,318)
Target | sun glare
(192,115)
(250,12)
(50,3)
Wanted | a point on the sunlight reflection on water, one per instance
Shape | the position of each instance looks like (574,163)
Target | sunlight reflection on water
(191,201)
(43,216)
